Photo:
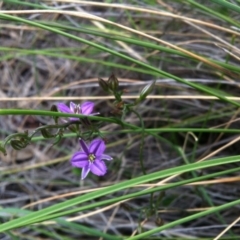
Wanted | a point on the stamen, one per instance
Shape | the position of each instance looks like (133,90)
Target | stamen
(77,109)
(91,157)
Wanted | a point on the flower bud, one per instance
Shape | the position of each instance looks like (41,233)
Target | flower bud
(18,144)
(73,128)
(146,90)
(103,85)
(46,134)
(113,83)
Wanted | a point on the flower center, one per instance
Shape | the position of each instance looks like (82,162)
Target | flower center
(91,157)
(77,109)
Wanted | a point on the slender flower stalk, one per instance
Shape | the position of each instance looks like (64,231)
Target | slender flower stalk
(85,109)
(91,157)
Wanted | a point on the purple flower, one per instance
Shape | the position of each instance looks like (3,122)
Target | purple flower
(86,109)
(91,158)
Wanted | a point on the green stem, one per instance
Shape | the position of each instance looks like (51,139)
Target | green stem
(142,141)
(116,121)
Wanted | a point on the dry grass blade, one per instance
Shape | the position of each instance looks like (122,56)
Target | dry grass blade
(95,18)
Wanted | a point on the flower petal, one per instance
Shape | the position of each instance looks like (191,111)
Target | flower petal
(85,171)
(72,107)
(63,108)
(87,108)
(79,159)
(84,146)
(98,168)
(97,147)
(106,157)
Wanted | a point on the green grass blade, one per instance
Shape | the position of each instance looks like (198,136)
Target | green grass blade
(228,5)
(111,189)
(201,88)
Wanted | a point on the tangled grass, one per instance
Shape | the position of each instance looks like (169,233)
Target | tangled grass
(188,186)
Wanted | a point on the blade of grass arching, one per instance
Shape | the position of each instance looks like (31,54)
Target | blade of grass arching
(16,212)
(44,213)
(114,35)
(135,194)
(210,11)
(143,43)
(201,59)
(200,189)
(200,6)
(72,57)
(185,219)
(228,5)
(87,230)
(55,52)
(199,87)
